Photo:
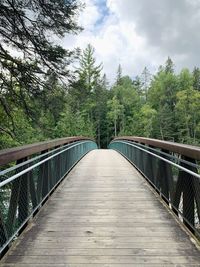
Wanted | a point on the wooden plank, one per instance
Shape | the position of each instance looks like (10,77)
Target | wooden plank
(117,259)
(103,215)
(102,252)
(101,244)
(100,265)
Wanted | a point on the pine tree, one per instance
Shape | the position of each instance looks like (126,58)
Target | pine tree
(93,92)
(196,78)
(25,27)
(145,80)
(119,75)
(169,66)
(105,82)
(89,72)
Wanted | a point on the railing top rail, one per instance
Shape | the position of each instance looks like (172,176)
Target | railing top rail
(16,153)
(182,149)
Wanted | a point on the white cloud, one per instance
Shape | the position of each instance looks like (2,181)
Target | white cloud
(89,16)
(139,33)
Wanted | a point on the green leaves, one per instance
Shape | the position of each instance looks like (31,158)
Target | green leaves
(27,52)
(188,112)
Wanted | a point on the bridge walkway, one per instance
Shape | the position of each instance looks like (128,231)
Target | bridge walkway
(104,214)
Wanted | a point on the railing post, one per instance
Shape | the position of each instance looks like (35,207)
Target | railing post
(189,187)
(12,209)
(149,170)
(57,168)
(45,179)
(23,201)
(165,179)
(196,186)
(3,231)
(19,198)
(188,201)
(33,194)
(43,183)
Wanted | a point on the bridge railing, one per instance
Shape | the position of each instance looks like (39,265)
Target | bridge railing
(29,174)
(173,170)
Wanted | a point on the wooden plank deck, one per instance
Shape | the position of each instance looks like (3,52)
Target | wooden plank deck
(103,214)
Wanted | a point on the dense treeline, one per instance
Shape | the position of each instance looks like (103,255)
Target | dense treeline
(164,106)
(42,98)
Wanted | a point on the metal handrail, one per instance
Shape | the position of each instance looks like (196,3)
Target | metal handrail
(23,193)
(182,149)
(161,158)
(178,183)
(17,153)
(12,178)
(160,152)
(33,159)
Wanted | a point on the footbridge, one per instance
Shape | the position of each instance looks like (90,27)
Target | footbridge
(65,203)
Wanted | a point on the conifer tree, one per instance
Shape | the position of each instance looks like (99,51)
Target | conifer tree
(196,78)
(89,72)
(169,66)
(27,52)
(119,75)
(145,80)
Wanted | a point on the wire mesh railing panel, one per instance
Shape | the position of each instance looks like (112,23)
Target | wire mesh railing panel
(175,177)
(24,187)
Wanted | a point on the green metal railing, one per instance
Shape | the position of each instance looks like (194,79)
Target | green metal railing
(172,169)
(26,185)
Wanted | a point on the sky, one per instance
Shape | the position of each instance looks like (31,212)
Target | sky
(139,33)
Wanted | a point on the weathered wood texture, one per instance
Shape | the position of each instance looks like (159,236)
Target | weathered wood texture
(103,214)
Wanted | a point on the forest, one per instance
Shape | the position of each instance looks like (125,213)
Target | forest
(36,104)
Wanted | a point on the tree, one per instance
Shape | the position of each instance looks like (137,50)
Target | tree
(90,92)
(137,83)
(169,66)
(185,80)
(188,113)
(27,52)
(162,98)
(145,81)
(147,120)
(72,124)
(196,78)
(100,97)
(89,72)
(119,75)
(115,111)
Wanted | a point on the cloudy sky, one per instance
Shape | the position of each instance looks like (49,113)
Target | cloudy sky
(139,33)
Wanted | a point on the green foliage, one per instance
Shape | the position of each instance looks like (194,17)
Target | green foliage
(129,100)
(164,107)
(196,78)
(17,131)
(119,75)
(169,66)
(147,120)
(115,112)
(27,53)
(88,72)
(73,124)
(162,98)
(145,81)
(188,113)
